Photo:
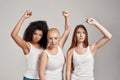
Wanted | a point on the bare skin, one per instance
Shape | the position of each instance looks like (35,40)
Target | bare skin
(54,39)
(80,49)
(22,43)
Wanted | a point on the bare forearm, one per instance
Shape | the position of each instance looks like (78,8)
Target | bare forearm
(104,31)
(26,15)
(67,24)
(18,26)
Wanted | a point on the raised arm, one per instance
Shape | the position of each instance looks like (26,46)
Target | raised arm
(106,35)
(68,65)
(20,42)
(67,29)
(42,65)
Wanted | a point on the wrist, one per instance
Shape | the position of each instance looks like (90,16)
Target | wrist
(23,17)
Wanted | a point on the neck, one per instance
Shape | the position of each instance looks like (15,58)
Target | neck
(35,44)
(52,47)
(80,45)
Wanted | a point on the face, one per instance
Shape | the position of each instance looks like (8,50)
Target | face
(81,35)
(53,38)
(37,35)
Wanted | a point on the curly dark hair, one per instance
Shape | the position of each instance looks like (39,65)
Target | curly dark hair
(37,25)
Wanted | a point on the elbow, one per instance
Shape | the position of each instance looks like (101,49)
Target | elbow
(12,35)
(68,30)
(110,36)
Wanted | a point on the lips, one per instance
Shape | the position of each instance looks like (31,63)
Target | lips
(80,38)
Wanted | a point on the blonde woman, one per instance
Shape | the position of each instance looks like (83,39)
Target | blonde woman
(52,59)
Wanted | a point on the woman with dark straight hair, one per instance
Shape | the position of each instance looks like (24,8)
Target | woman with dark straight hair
(33,43)
(80,56)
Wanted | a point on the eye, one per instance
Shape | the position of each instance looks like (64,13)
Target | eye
(56,38)
(50,38)
(84,32)
(40,34)
(35,33)
(78,32)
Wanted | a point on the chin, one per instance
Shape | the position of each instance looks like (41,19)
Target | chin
(53,45)
(81,41)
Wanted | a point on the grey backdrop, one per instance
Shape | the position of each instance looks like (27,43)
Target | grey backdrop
(107,12)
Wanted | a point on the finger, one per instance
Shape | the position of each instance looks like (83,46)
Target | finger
(66,11)
(29,13)
(87,21)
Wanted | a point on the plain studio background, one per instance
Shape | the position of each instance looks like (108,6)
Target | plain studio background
(107,12)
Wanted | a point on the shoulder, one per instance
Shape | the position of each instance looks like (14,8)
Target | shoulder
(59,47)
(70,52)
(43,57)
(43,54)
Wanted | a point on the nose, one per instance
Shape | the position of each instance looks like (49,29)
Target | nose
(37,36)
(80,35)
(53,41)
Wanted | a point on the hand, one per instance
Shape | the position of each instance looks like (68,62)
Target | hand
(27,14)
(91,21)
(65,13)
